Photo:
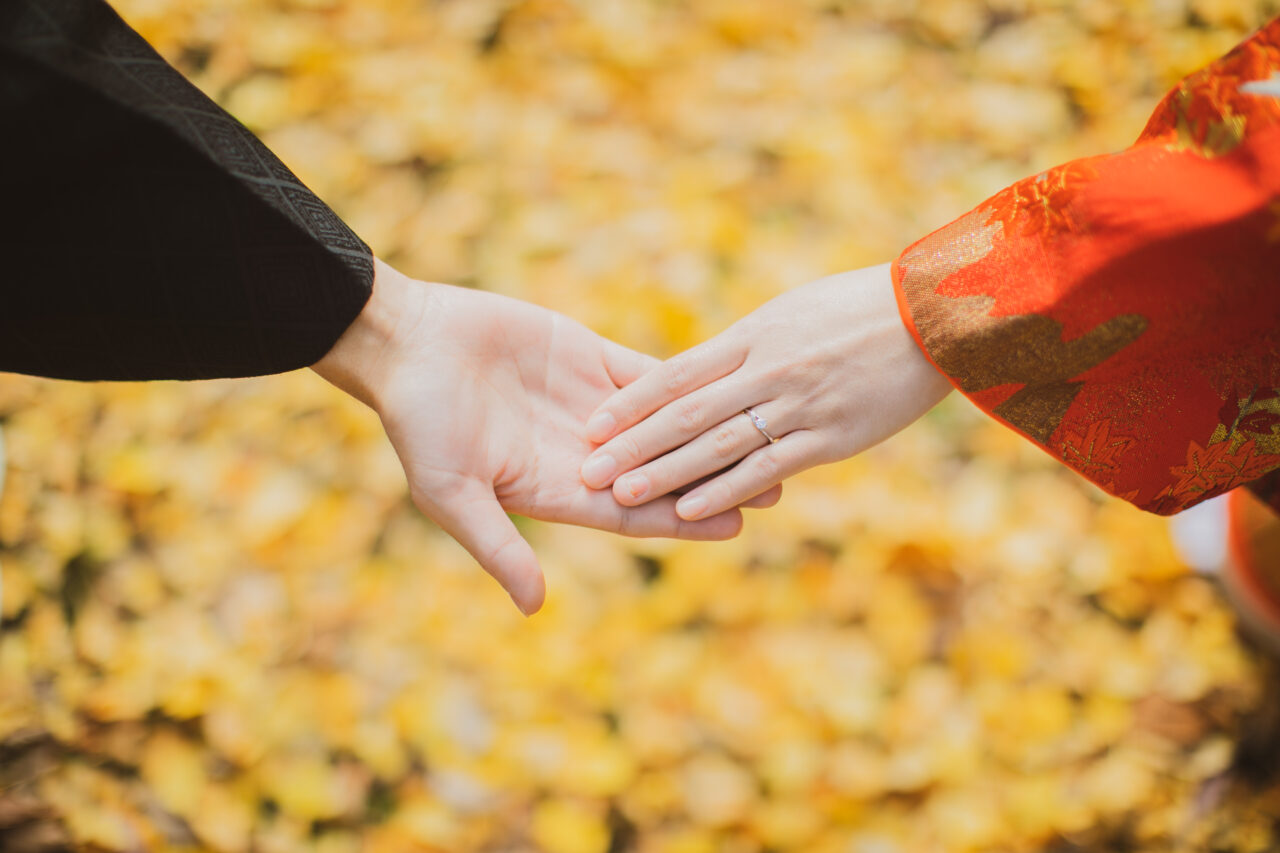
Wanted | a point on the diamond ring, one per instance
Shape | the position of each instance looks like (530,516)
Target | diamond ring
(761,424)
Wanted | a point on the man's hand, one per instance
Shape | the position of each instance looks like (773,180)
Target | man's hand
(484,399)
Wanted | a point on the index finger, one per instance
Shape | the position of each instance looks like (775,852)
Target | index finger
(671,380)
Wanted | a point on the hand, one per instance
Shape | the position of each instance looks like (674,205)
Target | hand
(484,399)
(830,366)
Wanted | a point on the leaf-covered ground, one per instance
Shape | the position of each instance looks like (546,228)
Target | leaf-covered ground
(225,628)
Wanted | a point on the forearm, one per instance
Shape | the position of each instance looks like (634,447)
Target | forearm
(154,236)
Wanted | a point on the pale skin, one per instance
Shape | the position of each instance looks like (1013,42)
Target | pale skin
(484,399)
(830,366)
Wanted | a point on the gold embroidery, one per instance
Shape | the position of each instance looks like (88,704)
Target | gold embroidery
(981,352)
(1205,126)
(1041,205)
(1217,468)
(1097,450)
(947,251)
(1252,417)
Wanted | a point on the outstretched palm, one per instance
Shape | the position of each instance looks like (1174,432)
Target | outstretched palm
(485,399)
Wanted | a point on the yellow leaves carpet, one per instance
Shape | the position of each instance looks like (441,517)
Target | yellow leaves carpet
(225,628)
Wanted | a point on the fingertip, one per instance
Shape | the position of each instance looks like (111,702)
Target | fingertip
(729,523)
(725,525)
(598,470)
(765,500)
(474,517)
(626,365)
(631,489)
(691,507)
(531,599)
(600,426)
(522,578)
(513,564)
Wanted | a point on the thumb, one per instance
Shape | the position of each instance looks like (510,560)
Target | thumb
(474,517)
(626,365)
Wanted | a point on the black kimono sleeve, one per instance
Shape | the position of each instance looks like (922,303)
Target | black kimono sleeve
(145,233)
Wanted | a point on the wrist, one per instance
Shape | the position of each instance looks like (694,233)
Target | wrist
(362,361)
(893,284)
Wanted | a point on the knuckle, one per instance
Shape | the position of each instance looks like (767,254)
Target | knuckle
(719,497)
(622,408)
(491,556)
(677,377)
(623,524)
(724,442)
(689,417)
(631,410)
(628,450)
(765,466)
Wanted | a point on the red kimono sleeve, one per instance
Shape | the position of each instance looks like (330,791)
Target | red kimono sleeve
(1123,311)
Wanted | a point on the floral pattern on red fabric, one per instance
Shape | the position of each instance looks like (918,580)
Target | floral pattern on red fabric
(1122,311)
(1042,204)
(1097,449)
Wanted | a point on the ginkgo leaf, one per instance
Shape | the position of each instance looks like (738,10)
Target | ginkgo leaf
(225,626)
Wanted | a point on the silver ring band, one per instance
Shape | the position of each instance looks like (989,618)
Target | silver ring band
(760,424)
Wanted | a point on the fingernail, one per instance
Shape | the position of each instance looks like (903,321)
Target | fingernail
(691,508)
(600,426)
(636,485)
(520,606)
(597,470)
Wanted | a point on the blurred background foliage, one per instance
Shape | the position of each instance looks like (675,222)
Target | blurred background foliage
(225,628)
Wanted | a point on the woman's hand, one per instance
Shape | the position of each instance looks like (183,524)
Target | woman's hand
(829,366)
(484,399)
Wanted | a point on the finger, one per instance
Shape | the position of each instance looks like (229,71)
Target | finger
(752,476)
(760,501)
(474,517)
(675,424)
(712,451)
(669,381)
(598,509)
(624,365)
(764,500)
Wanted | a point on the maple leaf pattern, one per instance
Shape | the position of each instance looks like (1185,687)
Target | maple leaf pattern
(1211,111)
(1216,468)
(998,300)
(1242,450)
(1041,204)
(1097,450)
(1206,125)
(1130,496)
